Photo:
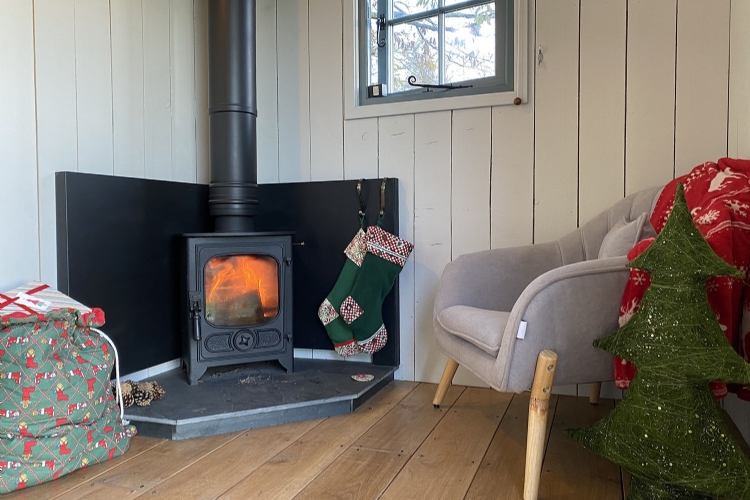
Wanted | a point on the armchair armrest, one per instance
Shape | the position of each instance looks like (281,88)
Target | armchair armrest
(566,309)
(494,279)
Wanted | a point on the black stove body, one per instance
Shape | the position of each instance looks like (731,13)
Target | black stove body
(238,303)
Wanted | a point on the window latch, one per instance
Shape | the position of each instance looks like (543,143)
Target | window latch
(428,87)
(381,30)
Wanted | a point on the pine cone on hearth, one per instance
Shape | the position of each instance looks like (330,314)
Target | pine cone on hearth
(142,394)
(157,391)
(126,388)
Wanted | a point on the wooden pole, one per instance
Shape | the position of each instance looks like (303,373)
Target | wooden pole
(596,389)
(445,381)
(541,390)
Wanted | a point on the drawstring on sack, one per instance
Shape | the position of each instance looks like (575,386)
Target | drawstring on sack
(117,374)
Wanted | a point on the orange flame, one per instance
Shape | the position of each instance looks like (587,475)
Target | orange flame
(231,277)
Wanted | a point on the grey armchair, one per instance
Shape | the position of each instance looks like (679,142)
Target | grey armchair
(563,293)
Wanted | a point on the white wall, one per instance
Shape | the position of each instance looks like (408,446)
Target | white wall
(630,93)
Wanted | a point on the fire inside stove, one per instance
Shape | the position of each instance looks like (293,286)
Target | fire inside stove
(241,290)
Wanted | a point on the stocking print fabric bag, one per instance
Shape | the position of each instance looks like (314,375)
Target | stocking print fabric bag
(57,410)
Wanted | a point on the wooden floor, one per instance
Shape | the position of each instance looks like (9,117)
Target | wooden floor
(397,446)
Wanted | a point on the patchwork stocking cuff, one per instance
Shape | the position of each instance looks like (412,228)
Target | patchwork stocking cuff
(388,246)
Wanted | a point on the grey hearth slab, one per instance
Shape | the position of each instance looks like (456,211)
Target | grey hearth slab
(236,398)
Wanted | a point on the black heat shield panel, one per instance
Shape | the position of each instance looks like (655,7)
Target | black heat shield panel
(117,246)
(117,249)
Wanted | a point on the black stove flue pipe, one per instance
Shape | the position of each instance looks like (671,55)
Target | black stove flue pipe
(232,113)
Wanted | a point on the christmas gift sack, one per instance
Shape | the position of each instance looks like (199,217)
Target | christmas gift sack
(57,410)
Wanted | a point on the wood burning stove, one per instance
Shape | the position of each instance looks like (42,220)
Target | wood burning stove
(238,287)
(238,300)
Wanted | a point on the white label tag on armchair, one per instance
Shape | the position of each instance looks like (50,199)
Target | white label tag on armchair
(521,330)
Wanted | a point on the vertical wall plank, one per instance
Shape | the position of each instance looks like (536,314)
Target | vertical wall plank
(326,89)
(396,143)
(601,155)
(739,81)
(127,88)
(20,253)
(556,116)
(94,86)
(361,148)
(200,26)
(294,90)
(649,127)
(182,68)
(512,188)
(470,192)
(432,232)
(702,83)
(156,89)
(267,77)
(54,23)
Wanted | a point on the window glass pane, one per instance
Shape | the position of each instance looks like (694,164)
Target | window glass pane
(403,8)
(470,43)
(415,52)
(241,290)
(372,8)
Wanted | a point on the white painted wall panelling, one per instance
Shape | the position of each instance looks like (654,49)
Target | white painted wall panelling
(432,232)
(702,83)
(396,143)
(94,86)
(556,116)
(601,150)
(512,183)
(470,190)
(739,80)
(19,255)
(200,26)
(649,125)
(267,70)
(56,115)
(326,103)
(294,88)
(127,88)
(182,102)
(157,90)
(361,148)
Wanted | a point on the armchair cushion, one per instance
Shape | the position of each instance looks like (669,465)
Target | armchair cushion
(481,327)
(622,237)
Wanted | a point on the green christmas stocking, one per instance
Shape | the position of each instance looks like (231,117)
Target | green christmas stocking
(337,329)
(386,256)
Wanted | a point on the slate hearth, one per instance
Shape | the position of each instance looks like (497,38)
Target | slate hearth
(236,398)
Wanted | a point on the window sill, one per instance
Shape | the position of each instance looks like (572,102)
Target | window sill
(354,112)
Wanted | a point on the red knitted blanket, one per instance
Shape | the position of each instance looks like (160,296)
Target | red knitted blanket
(718,195)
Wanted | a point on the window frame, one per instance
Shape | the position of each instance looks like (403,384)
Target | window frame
(500,82)
(354,25)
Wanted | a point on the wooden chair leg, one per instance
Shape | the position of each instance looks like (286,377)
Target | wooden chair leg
(445,381)
(596,389)
(541,390)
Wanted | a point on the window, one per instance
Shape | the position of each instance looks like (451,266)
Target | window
(466,44)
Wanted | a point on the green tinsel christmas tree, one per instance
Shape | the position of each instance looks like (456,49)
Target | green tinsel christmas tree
(668,431)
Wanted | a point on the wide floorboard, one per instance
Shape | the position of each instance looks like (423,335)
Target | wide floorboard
(396,446)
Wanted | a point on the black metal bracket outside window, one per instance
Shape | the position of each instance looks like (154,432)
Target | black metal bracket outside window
(429,87)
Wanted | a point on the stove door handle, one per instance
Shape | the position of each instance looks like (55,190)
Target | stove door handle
(195,314)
